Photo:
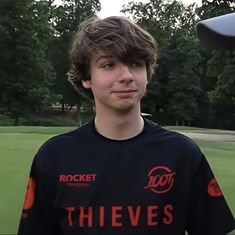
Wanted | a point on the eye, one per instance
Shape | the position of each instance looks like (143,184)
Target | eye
(139,63)
(108,65)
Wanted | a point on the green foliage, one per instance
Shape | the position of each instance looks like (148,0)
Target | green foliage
(67,18)
(178,83)
(222,97)
(211,8)
(218,81)
(184,81)
(191,85)
(27,73)
(35,38)
(184,88)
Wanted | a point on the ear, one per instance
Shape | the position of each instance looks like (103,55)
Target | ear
(86,84)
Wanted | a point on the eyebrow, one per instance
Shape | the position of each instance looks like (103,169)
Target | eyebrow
(103,57)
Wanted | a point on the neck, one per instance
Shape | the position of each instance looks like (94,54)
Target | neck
(121,126)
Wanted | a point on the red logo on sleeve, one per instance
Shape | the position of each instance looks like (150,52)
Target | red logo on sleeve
(30,194)
(213,188)
(160,179)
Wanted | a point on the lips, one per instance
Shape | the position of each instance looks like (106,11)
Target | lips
(125,93)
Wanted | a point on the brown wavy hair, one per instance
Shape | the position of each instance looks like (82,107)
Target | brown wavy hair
(115,36)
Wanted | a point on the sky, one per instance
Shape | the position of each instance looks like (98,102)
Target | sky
(113,7)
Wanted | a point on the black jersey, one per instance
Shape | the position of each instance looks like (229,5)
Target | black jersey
(157,182)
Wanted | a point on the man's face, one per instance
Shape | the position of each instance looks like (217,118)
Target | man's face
(116,86)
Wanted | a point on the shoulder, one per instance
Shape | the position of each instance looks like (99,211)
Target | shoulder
(59,144)
(176,149)
(162,133)
(172,140)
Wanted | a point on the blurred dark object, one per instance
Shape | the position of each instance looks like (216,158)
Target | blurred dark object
(218,32)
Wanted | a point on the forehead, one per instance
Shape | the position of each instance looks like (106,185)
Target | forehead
(99,55)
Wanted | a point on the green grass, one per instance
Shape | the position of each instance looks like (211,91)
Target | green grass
(19,144)
(17,148)
(200,130)
(221,156)
(35,130)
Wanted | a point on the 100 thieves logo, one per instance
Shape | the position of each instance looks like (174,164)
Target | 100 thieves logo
(160,179)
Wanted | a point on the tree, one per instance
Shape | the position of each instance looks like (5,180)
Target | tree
(184,82)
(28,75)
(67,18)
(6,7)
(218,72)
(212,8)
(177,86)
(222,98)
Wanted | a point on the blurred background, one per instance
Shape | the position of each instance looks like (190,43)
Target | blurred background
(192,89)
(191,86)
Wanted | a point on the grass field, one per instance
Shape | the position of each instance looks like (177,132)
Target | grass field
(19,144)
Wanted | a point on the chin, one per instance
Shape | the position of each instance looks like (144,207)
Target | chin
(125,108)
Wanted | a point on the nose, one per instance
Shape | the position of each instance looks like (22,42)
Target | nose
(126,74)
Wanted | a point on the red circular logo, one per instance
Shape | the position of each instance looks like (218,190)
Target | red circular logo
(160,179)
(213,188)
(30,194)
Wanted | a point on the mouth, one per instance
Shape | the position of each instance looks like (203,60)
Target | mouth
(125,93)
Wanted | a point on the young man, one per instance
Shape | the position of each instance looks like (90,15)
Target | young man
(120,173)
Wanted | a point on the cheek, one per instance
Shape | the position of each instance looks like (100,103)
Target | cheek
(142,83)
(142,78)
(100,83)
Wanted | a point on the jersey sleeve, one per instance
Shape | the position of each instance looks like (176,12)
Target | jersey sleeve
(36,217)
(209,213)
